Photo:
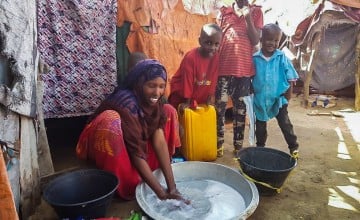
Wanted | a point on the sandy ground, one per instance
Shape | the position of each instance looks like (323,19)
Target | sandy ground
(324,185)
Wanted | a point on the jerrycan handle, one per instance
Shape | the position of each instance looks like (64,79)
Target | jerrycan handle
(193,104)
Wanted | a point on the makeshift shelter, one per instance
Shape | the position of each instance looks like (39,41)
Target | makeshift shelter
(20,95)
(328,49)
(61,58)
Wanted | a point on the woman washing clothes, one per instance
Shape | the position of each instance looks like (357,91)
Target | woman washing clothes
(132,133)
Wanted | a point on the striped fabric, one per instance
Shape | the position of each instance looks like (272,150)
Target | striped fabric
(236,49)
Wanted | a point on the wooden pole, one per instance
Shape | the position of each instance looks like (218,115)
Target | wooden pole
(310,70)
(357,74)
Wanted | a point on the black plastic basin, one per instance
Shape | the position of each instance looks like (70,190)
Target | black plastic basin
(80,194)
(268,168)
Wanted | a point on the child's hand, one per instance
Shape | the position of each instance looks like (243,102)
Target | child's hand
(288,94)
(244,11)
(182,107)
(193,104)
(210,100)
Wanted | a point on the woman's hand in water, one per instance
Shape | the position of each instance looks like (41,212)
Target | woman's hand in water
(175,194)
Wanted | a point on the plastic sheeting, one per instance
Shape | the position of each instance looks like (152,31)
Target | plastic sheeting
(350,3)
(335,63)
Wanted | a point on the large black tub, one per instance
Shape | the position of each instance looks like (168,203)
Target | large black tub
(81,194)
(268,168)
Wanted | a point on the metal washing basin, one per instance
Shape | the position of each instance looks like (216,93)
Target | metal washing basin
(215,191)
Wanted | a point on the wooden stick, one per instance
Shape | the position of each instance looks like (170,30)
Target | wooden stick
(357,74)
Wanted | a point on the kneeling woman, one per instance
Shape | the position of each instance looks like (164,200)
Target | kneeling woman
(132,133)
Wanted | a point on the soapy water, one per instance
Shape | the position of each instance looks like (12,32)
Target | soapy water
(209,200)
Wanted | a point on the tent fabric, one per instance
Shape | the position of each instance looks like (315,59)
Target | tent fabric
(349,3)
(177,30)
(77,39)
(352,12)
(7,203)
(335,63)
(304,26)
(142,11)
(201,7)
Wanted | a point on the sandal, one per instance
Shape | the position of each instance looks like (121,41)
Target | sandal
(294,153)
(220,151)
(236,151)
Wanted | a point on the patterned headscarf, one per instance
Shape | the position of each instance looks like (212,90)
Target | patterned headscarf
(144,71)
(139,119)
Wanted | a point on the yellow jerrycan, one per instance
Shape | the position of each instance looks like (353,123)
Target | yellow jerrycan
(198,133)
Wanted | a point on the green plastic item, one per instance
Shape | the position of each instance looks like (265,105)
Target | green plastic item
(135,216)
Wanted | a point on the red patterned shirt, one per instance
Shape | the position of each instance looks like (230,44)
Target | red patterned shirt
(236,49)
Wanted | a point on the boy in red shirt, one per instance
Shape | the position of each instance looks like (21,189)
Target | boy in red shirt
(196,78)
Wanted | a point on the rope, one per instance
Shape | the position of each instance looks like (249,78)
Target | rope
(278,190)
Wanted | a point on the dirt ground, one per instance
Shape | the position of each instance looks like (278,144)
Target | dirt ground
(324,185)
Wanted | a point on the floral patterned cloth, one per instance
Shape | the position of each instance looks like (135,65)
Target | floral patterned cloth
(77,39)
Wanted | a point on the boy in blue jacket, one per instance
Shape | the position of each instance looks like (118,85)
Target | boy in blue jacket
(272,84)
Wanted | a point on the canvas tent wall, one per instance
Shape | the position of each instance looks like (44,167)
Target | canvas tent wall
(327,52)
(334,36)
(164,30)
